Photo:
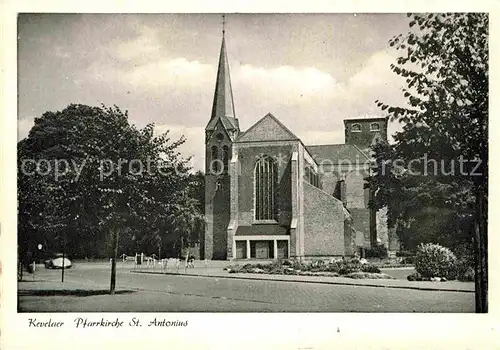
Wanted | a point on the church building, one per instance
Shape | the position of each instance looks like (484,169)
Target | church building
(270,196)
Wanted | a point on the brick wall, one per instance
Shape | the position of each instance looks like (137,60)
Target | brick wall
(328,180)
(361,223)
(217,202)
(323,223)
(363,139)
(221,216)
(355,194)
(349,238)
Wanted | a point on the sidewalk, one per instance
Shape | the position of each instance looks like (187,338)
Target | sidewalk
(217,271)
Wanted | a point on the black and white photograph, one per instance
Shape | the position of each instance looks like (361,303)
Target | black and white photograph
(244,163)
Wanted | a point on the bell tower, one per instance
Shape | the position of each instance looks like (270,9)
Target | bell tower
(220,133)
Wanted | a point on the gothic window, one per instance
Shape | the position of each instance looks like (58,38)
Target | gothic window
(220,136)
(265,187)
(374,127)
(225,156)
(356,128)
(214,165)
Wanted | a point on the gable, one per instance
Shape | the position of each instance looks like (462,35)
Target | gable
(229,123)
(337,154)
(267,129)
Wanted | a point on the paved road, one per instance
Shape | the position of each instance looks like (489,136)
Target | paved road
(170,293)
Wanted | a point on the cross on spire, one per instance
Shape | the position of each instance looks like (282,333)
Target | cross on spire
(223,24)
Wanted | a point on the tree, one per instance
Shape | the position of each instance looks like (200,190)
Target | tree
(445,125)
(88,175)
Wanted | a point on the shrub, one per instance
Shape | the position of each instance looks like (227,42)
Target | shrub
(433,260)
(370,268)
(409,260)
(464,270)
(368,275)
(275,268)
(347,268)
(467,275)
(355,260)
(234,268)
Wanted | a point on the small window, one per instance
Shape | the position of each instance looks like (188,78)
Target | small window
(356,128)
(219,136)
(374,127)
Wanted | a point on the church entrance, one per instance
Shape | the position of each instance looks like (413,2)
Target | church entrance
(263,250)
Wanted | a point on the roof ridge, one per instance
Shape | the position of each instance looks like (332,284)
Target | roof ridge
(282,125)
(330,144)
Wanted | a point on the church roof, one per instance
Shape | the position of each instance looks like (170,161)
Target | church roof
(223,105)
(229,123)
(336,153)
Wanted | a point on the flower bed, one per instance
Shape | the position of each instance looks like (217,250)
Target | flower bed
(353,268)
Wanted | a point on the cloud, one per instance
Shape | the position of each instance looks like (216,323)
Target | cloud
(318,137)
(285,84)
(178,73)
(61,52)
(310,101)
(146,44)
(375,72)
(195,142)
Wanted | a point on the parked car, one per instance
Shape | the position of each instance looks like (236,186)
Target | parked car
(57,262)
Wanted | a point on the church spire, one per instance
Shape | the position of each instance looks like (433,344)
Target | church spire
(223,105)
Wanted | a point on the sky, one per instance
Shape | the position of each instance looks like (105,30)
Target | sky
(311,71)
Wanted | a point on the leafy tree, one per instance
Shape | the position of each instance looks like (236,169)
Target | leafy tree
(445,125)
(87,176)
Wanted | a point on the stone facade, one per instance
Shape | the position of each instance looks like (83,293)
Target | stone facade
(363,132)
(323,224)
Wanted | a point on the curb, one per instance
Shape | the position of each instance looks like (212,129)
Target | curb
(274,279)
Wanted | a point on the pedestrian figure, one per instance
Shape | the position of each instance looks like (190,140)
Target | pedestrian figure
(164,265)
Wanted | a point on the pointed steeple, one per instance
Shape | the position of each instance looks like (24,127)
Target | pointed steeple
(223,105)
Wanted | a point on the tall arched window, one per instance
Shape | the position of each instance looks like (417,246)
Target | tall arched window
(225,156)
(214,165)
(265,187)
